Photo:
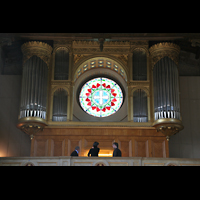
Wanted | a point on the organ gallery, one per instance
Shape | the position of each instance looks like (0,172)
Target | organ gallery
(75,92)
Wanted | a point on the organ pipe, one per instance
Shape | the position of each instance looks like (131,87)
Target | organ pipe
(165,57)
(34,79)
(166,89)
(34,88)
(140,113)
(61,71)
(139,64)
(60,105)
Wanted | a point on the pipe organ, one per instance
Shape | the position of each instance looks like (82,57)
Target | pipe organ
(165,57)
(34,88)
(50,107)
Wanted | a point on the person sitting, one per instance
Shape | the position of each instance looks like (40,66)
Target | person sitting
(94,150)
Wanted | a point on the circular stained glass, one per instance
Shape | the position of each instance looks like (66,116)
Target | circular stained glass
(101,97)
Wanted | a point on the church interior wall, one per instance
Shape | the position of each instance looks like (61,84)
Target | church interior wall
(185,144)
(13,142)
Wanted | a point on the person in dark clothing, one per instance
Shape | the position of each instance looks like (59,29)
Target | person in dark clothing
(75,152)
(94,150)
(116,152)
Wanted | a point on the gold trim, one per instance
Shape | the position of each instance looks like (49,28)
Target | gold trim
(31,125)
(32,119)
(39,49)
(167,120)
(159,51)
(101,124)
(87,60)
(168,126)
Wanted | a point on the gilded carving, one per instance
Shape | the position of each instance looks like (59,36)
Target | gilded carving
(31,129)
(159,51)
(94,47)
(143,45)
(77,57)
(139,43)
(116,50)
(39,49)
(85,43)
(62,43)
(168,126)
(86,50)
(122,57)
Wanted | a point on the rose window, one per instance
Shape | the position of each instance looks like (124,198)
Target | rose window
(101,97)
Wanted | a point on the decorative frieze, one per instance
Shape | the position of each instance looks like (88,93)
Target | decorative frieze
(40,49)
(160,50)
(85,47)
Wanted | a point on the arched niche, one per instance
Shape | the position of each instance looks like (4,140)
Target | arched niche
(60,102)
(140,105)
(61,66)
(139,64)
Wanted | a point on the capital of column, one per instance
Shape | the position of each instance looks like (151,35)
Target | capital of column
(37,48)
(160,50)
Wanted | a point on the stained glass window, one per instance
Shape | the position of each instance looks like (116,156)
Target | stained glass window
(101,97)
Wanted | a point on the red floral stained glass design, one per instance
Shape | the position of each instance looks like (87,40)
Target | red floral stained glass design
(101,97)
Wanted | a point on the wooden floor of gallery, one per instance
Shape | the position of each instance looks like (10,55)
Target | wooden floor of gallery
(133,142)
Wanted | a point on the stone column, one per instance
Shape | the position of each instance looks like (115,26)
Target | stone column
(165,57)
(36,58)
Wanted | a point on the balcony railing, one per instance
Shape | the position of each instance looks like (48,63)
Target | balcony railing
(97,161)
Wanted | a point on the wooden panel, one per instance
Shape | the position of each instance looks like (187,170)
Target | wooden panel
(125,146)
(158,148)
(141,147)
(132,142)
(105,144)
(57,147)
(41,147)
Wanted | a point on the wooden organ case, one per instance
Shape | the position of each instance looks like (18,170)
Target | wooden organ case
(50,110)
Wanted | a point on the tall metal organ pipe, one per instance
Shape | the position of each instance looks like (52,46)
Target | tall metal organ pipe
(140,111)
(139,64)
(36,56)
(34,88)
(166,89)
(60,105)
(165,57)
(61,65)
